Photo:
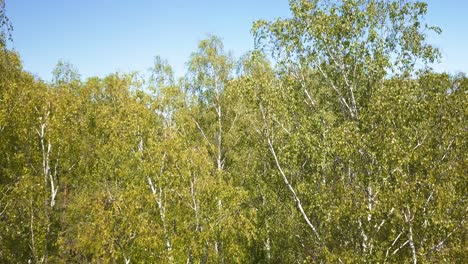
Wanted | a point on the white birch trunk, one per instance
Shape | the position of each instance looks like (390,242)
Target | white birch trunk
(46,149)
(157,192)
(285,179)
(409,219)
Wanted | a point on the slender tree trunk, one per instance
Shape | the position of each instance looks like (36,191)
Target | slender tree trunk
(31,226)
(49,177)
(285,179)
(158,194)
(409,219)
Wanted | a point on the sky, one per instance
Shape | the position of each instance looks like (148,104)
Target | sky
(103,36)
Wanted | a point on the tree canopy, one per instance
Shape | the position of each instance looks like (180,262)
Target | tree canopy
(332,142)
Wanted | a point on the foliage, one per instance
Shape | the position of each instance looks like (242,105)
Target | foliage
(339,150)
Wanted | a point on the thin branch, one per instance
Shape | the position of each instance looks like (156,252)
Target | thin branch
(282,126)
(202,132)
(390,247)
(340,95)
(447,150)
(398,249)
(441,243)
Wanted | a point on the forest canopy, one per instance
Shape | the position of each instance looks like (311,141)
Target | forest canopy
(333,141)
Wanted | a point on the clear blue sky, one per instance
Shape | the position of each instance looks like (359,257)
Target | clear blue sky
(102,36)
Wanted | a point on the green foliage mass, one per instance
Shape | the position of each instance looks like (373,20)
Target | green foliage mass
(329,143)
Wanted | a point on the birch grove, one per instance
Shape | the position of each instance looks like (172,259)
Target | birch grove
(333,141)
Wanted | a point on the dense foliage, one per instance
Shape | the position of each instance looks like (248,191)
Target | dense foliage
(344,150)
